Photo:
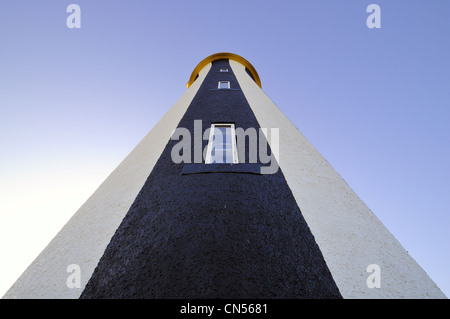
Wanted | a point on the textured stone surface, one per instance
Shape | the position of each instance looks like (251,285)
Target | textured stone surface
(215,235)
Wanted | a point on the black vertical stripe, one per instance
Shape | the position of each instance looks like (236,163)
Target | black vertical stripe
(216,235)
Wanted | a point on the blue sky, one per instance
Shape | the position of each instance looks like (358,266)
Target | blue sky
(374,102)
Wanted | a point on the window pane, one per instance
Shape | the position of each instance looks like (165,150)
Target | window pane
(221,147)
(221,156)
(222,135)
(224,85)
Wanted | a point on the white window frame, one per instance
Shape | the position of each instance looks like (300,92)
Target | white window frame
(233,143)
(221,88)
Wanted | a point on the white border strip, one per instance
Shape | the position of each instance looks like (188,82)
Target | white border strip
(83,240)
(349,235)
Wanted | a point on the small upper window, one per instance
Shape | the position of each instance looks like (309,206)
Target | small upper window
(222,145)
(224,85)
(223,70)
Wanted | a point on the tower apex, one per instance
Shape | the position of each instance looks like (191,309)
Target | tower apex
(224,55)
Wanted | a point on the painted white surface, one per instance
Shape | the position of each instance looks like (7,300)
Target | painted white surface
(82,241)
(349,235)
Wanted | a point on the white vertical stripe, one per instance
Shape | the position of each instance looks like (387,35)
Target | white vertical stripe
(82,241)
(349,235)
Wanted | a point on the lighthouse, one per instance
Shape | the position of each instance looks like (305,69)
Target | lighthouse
(224,198)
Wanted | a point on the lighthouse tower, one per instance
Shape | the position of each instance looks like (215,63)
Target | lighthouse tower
(224,198)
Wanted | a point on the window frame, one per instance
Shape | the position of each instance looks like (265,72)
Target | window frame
(222,88)
(234,153)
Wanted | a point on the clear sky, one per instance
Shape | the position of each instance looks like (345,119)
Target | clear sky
(374,102)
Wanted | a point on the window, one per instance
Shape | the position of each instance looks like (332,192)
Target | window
(222,145)
(223,70)
(224,85)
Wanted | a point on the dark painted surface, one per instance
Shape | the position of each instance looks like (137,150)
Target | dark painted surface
(215,235)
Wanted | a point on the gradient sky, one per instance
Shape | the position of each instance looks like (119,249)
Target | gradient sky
(374,102)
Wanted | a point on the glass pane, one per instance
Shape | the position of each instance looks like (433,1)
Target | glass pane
(221,144)
(221,156)
(223,85)
(222,135)
(222,147)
